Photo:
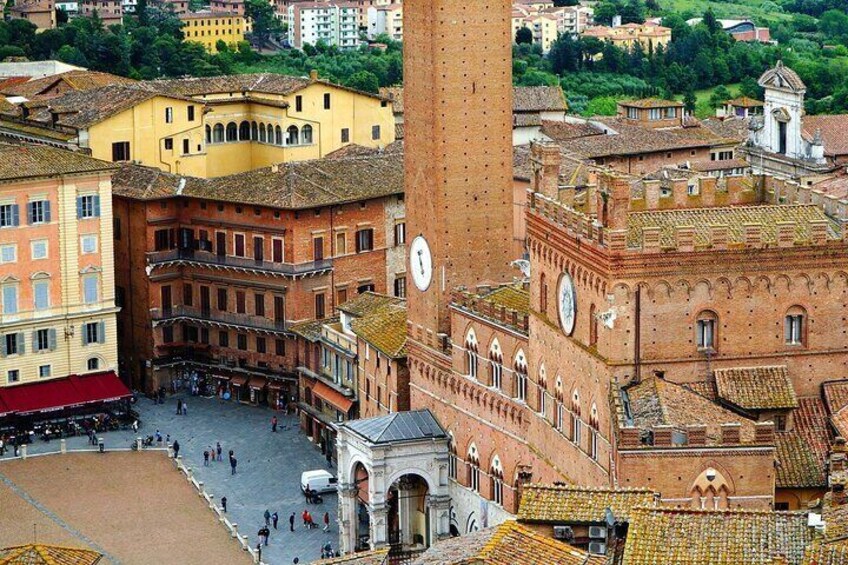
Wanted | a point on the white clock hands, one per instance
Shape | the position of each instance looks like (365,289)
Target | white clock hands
(422,273)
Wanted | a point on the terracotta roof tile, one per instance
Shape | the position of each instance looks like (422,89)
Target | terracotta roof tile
(20,161)
(76,80)
(819,553)
(835,395)
(564,131)
(802,451)
(651,103)
(84,108)
(310,329)
(706,389)
(735,129)
(268,83)
(297,185)
(745,102)
(783,77)
(836,186)
(756,388)
(368,302)
(658,402)
(734,217)
(832,130)
(38,554)
(538,99)
(564,504)
(835,518)
(384,327)
(715,537)
(514,297)
(395,95)
(709,165)
(507,544)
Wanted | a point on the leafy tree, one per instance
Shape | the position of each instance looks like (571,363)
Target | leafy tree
(524,35)
(559,3)
(719,95)
(264,20)
(602,106)
(365,81)
(71,55)
(748,87)
(711,22)
(633,12)
(689,100)
(606,10)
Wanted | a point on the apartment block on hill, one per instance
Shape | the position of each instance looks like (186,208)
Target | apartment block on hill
(333,23)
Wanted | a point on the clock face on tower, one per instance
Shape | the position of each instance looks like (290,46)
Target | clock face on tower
(421,263)
(567,304)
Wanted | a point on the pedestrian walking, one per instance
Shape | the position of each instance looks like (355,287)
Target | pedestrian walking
(274,424)
(205,457)
(233,463)
(274,518)
(176,449)
(291,522)
(326,521)
(135,426)
(185,408)
(167,439)
(224,503)
(231,454)
(266,533)
(305,517)
(220,451)
(267,516)
(212,453)
(179,407)
(158,437)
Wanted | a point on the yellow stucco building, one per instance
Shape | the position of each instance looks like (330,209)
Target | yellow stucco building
(211,126)
(208,28)
(649,36)
(57,298)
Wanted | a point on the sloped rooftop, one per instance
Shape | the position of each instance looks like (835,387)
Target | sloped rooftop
(756,388)
(39,554)
(21,161)
(398,427)
(715,537)
(563,504)
(507,544)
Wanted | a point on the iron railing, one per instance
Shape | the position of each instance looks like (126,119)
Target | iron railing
(205,258)
(216,317)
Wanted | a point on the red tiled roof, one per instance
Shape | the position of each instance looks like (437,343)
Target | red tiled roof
(835,395)
(833,132)
(802,451)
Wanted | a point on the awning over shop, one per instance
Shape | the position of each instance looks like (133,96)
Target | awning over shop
(238,380)
(58,394)
(334,397)
(275,385)
(257,383)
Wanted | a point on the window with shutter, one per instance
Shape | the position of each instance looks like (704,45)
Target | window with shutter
(41,295)
(10,299)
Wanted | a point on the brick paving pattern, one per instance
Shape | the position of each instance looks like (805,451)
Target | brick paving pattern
(268,470)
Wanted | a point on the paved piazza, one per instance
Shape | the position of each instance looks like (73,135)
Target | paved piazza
(67,493)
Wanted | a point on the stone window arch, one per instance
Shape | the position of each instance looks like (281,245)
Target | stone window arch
(576,422)
(208,133)
(706,330)
(519,366)
(263,134)
(244,131)
(496,365)
(293,135)
(306,134)
(218,133)
(473,468)
(453,459)
(254,131)
(560,404)
(471,354)
(497,479)
(795,326)
(593,432)
(278,135)
(710,490)
(232,131)
(543,391)
(543,295)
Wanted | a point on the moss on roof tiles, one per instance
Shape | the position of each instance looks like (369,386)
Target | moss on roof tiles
(734,217)
(21,161)
(299,185)
(384,327)
(756,388)
(510,296)
(562,504)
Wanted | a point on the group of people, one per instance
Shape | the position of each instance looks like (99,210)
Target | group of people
(182,408)
(217,454)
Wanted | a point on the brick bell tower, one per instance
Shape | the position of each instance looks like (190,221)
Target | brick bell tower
(457,157)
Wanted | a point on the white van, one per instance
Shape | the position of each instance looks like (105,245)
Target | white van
(318,481)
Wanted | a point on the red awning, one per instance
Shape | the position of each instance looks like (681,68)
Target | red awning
(256,382)
(238,380)
(67,392)
(332,396)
